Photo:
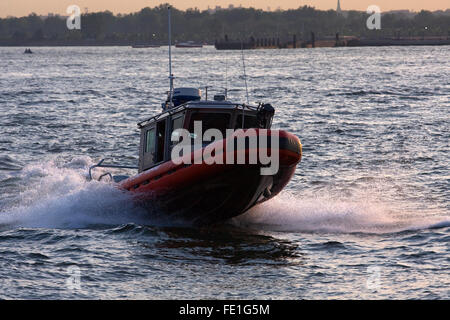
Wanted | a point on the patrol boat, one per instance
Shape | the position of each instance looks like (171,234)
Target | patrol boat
(208,181)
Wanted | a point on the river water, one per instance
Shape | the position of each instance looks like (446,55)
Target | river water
(367,214)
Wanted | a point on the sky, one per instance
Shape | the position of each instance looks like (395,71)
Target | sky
(42,7)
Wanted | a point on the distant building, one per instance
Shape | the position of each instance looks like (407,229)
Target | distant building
(339,10)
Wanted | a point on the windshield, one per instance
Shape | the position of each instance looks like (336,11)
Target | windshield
(220,121)
(250,121)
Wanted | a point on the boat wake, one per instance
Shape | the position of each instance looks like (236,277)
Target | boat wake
(324,214)
(59,196)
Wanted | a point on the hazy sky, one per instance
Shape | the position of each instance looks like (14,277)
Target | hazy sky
(24,7)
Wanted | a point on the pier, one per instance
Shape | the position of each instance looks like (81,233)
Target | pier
(312,41)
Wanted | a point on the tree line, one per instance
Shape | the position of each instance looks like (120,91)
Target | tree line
(149,25)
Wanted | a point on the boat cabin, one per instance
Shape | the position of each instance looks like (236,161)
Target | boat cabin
(156,132)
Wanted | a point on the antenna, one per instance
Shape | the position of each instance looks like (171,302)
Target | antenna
(245,79)
(226,75)
(245,74)
(226,66)
(171,77)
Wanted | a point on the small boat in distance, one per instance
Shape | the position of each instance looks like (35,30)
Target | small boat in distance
(28,51)
(142,46)
(189,44)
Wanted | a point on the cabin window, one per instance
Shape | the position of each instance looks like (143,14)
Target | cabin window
(250,121)
(150,141)
(220,121)
(161,136)
(177,123)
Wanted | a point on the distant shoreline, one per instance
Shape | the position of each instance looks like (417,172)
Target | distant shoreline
(59,43)
(304,26)
(443,41)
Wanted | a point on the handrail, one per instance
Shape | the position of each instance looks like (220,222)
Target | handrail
(101,165)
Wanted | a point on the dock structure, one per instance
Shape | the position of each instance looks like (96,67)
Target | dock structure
(251,43)
(257,43)
(289,42)
(312,41)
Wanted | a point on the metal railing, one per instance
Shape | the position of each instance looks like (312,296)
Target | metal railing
(101,165)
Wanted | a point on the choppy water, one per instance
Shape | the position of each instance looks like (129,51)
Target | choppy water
(367,214)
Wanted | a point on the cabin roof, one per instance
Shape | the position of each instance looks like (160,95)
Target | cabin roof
(210,104)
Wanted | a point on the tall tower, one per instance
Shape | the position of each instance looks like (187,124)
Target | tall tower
(339,10)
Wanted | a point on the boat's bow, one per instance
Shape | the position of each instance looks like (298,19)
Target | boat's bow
(205,190)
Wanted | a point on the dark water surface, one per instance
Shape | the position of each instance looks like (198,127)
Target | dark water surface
(367,214)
